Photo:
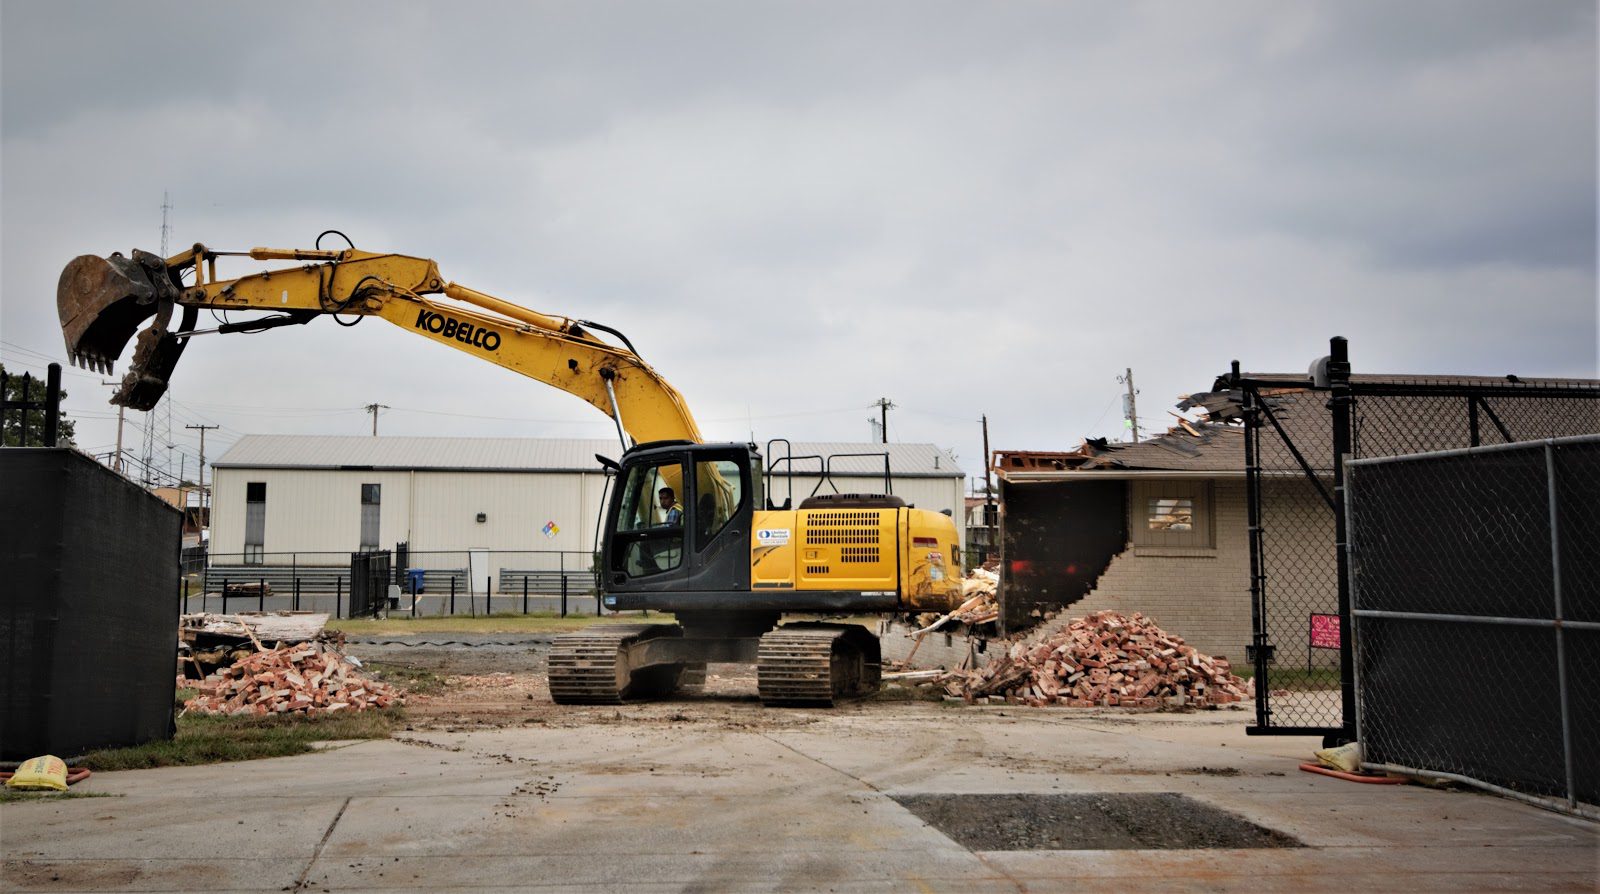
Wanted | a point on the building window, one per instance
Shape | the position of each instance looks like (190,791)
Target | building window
(255,522)
(371,500)
(1171,513)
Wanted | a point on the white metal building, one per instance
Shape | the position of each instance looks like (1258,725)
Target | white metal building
(273,495)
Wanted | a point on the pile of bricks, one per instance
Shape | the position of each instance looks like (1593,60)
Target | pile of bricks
(1105,659)
(305,678)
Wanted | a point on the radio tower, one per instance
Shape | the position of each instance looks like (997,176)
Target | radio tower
(160,418)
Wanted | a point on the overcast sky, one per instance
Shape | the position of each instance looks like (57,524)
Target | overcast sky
(794,209)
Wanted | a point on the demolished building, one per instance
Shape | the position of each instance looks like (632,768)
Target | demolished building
(1156,526)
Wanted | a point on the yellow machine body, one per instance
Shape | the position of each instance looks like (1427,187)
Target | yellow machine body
(913,553)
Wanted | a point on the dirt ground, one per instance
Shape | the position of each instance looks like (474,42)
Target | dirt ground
(461,682)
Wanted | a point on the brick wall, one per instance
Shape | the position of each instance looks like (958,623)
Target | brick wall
(1202,595)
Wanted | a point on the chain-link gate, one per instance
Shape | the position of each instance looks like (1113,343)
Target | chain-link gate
(1298,430)
(1475,586)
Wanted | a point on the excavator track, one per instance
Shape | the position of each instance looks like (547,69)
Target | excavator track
(816,665)
(592,666)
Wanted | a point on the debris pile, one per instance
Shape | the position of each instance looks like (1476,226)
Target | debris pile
(980,606)
(1102,660)
(208,642)
(981,582)
(307,678)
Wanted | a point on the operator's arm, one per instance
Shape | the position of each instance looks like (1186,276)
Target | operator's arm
(98,297)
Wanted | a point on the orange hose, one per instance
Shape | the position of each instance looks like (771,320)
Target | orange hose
(1354,777)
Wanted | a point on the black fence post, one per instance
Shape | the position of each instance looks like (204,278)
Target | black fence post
(1339,403)
(524,594)
(52,404)
(224,595)
(27,390)
(338,593)
(295,603)
(563,595)
(413,582)
(452,595)
(488,593)
(261,594)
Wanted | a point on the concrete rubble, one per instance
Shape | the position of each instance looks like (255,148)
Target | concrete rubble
(1104,659)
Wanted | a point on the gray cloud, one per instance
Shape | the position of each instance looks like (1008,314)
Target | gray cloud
(794,209)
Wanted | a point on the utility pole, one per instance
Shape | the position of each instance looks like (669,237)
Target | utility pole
(202,429)
(991,516)
(1130,406)
(884,405)
(373,409)
(120,410)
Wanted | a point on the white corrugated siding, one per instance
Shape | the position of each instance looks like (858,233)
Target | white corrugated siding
(516,505)
(314,510)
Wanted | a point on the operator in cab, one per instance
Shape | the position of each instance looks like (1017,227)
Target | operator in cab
(671,514)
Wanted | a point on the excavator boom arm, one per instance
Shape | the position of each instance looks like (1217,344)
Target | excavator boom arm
(103,300)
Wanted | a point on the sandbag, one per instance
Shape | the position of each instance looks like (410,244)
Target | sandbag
(40,774)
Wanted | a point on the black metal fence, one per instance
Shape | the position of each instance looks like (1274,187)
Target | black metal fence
(430,582)
(370,578)
(1298,432)
(30,420)
(1475,584)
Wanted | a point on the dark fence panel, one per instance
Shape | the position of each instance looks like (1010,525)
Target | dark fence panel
(369,583)
(88,631)
(1473,591)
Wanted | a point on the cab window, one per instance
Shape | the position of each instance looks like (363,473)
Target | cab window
(650,518)
(719,494)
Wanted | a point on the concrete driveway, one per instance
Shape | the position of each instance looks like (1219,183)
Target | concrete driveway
(726,795)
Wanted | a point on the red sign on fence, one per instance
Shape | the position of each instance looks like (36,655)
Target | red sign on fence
(1324,631)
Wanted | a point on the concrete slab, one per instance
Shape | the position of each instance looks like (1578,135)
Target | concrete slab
(731,796)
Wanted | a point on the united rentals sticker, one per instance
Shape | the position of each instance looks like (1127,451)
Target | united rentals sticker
(772,536)
(551,529)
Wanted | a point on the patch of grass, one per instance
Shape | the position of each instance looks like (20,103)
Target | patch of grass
(209,739)
(414,679)
(533,622)
(12,796)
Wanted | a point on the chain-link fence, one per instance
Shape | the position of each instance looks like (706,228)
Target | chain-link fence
(1475,584)
(1299,429)
(429,582)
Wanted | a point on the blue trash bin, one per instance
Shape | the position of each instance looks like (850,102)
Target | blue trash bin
(414,580)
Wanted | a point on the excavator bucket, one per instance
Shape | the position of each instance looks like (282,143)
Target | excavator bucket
(103,301)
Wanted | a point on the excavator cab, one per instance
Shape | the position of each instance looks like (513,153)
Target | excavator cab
(676,514)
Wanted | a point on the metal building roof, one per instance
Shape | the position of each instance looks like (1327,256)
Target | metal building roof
(538,454)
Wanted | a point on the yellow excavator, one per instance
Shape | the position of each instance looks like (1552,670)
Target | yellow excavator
(690,527)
